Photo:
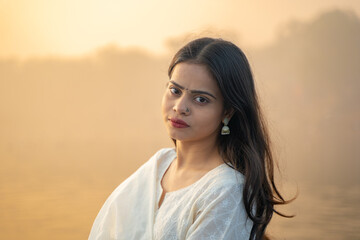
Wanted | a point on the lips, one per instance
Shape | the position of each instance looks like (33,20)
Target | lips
(178,123)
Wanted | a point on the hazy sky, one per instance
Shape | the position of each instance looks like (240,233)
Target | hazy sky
(67,124)
(68,27)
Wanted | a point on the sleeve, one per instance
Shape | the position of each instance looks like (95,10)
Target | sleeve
(221,215)
(119,218)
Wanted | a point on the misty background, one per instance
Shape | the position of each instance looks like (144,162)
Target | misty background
(73,128)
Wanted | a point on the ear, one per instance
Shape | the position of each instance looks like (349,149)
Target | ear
(228,114)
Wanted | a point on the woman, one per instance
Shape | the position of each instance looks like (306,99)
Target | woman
(217,183)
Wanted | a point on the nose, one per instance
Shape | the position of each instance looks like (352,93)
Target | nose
(181,106)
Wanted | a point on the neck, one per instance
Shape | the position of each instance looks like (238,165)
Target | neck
(197,156)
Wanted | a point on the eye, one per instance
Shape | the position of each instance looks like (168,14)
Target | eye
(174,90)
(201,100)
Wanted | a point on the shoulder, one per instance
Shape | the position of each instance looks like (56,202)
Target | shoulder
(135,185)
(164,153)
(157,157)
(226,178)
(144,173)
(225,183)
(161,156)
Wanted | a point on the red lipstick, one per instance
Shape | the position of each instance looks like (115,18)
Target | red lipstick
(178,123)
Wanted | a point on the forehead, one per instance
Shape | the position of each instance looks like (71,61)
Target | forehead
(195,77)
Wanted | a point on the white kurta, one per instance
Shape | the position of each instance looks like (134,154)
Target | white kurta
(210,208)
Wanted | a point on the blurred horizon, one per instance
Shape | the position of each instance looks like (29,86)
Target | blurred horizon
(74,125)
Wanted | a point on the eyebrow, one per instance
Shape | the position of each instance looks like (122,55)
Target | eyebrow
(192,91)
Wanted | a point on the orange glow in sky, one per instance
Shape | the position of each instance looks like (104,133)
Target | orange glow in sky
(65,27)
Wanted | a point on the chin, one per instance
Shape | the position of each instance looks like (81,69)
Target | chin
(177,137)
(184,137)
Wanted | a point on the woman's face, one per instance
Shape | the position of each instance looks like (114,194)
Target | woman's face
(192,104)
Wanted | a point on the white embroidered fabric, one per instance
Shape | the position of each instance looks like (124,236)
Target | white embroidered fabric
(210,208)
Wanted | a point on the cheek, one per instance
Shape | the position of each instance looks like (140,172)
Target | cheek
(210,118)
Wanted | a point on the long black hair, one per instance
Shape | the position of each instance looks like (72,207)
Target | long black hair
(247,148)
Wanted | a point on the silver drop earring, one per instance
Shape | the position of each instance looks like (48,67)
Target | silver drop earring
(225,129)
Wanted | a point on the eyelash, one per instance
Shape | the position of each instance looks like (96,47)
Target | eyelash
(171,88)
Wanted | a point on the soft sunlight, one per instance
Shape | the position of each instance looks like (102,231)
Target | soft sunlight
(67,27)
